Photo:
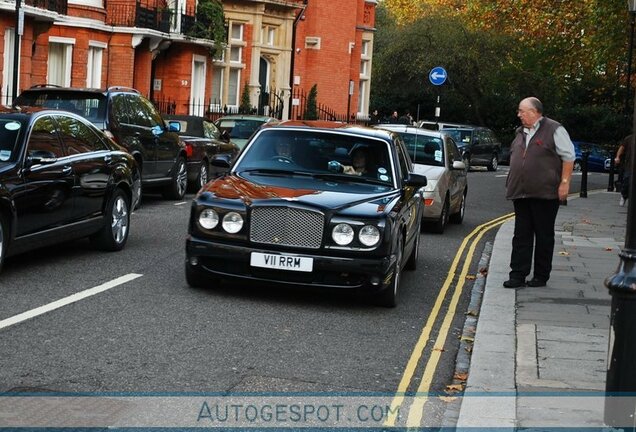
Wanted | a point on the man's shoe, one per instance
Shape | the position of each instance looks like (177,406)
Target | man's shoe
(534,282)
(621,202)
(514,283)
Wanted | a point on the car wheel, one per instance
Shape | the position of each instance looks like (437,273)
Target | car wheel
(137,189)
(458,217)
(204,174)
(196,279)
(411,263)
(177,188)
(493,164)
(4,235)
(388,296)
(114,233)
(440,225)
(577,166)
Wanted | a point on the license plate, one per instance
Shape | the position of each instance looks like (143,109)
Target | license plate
(281,262)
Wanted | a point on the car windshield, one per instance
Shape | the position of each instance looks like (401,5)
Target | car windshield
(238,128)
(318,153)
(92,106)
(9,132)
(423,149)
(460,136)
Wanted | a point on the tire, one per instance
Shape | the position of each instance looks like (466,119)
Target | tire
(493,165)
(114,234)
(388,296)
(4,238)
(411,263)
(458,217)
(197,280)
(179,183)
(439,226)
(204,175)
(137,185)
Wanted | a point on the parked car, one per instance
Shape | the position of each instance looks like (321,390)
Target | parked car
(61,178)
(435,155)
(202,140)
(132,121)
(596,161)
(479,145)
(242,126)
(287,213)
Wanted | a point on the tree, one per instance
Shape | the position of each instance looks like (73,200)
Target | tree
(209,23)
(246,105)
(311,112)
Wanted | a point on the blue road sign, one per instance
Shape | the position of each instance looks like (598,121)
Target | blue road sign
(437,76)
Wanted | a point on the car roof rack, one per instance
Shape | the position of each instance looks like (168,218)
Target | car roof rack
(122,88)
(45,85)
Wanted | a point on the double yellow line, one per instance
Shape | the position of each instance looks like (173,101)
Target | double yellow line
(415,411)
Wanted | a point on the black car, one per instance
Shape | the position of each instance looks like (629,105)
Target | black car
(132,121)
(479,145)
(202,140)
(289,213)
(62,178)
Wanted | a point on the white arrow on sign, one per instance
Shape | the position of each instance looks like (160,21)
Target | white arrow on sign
(436,75)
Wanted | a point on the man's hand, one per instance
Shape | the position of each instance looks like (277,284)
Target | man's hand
(564,190)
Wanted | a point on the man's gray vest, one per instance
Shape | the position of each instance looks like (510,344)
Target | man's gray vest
(535,171)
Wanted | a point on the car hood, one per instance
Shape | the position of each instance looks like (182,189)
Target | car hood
(330,195)
(431,172)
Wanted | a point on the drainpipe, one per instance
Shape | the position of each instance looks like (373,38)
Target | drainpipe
(293,57)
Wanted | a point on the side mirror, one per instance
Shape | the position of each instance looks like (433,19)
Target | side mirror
(416,180)
(222,160)
(459,165)
(174,126)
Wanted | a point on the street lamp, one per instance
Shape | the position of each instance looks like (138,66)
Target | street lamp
(620,384)
(631,7)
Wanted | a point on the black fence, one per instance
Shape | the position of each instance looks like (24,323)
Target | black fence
(59,6)
(150,16)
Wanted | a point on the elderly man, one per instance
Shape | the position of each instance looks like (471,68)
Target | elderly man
(541,161)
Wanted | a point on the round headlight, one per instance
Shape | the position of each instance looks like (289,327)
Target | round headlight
(232,222)
(208,219)
(369,235)
(342,234)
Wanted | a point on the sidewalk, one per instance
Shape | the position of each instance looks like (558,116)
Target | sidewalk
(533,346)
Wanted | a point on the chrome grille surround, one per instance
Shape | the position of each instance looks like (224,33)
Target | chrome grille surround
(287,226)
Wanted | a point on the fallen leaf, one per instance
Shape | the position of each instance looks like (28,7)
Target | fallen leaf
(483,270)
(468,349)
(439,349)
(448,398)
(472,313)
(454,387)
(461,376)
(468,339)
(609,249)
(471,277)
(564,253)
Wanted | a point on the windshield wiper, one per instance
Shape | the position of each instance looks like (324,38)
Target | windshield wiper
(274,171)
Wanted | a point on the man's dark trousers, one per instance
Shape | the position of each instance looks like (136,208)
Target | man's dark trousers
(534,220)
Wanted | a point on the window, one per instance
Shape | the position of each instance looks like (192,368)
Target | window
(362,94)
(94,66)
(217,86)
(364,68)
(235,54)
(120,110)
(7,72)
(233,86)
(78,137)
(197,92)
(44,138)
(60,61)
(365,47)
(91,3)
(268,35)
(236,32)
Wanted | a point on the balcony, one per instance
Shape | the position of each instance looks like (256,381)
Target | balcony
(59,6)
(155,17)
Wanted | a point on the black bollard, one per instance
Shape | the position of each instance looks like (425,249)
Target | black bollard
(585,155)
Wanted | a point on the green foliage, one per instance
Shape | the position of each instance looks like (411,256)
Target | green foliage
(209,22)
(311,112)
(571,55)
(245,106)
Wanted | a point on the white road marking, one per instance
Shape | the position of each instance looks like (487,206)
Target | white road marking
(67,300)
(181,203)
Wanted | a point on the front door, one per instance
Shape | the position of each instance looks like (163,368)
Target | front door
(263,80)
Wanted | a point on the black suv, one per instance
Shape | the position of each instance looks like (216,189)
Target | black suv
(129,119)
(479,145)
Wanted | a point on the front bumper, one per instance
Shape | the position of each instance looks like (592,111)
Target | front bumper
(219,260)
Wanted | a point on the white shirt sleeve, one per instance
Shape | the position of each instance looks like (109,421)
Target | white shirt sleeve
(564,146)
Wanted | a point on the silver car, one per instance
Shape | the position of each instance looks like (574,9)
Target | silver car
(435,155)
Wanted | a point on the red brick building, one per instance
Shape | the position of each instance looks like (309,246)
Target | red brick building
(144,44)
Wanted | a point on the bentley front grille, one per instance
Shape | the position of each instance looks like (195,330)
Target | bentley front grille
(287,227)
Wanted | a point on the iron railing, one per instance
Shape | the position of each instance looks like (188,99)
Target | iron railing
(59,6)
(151,16)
